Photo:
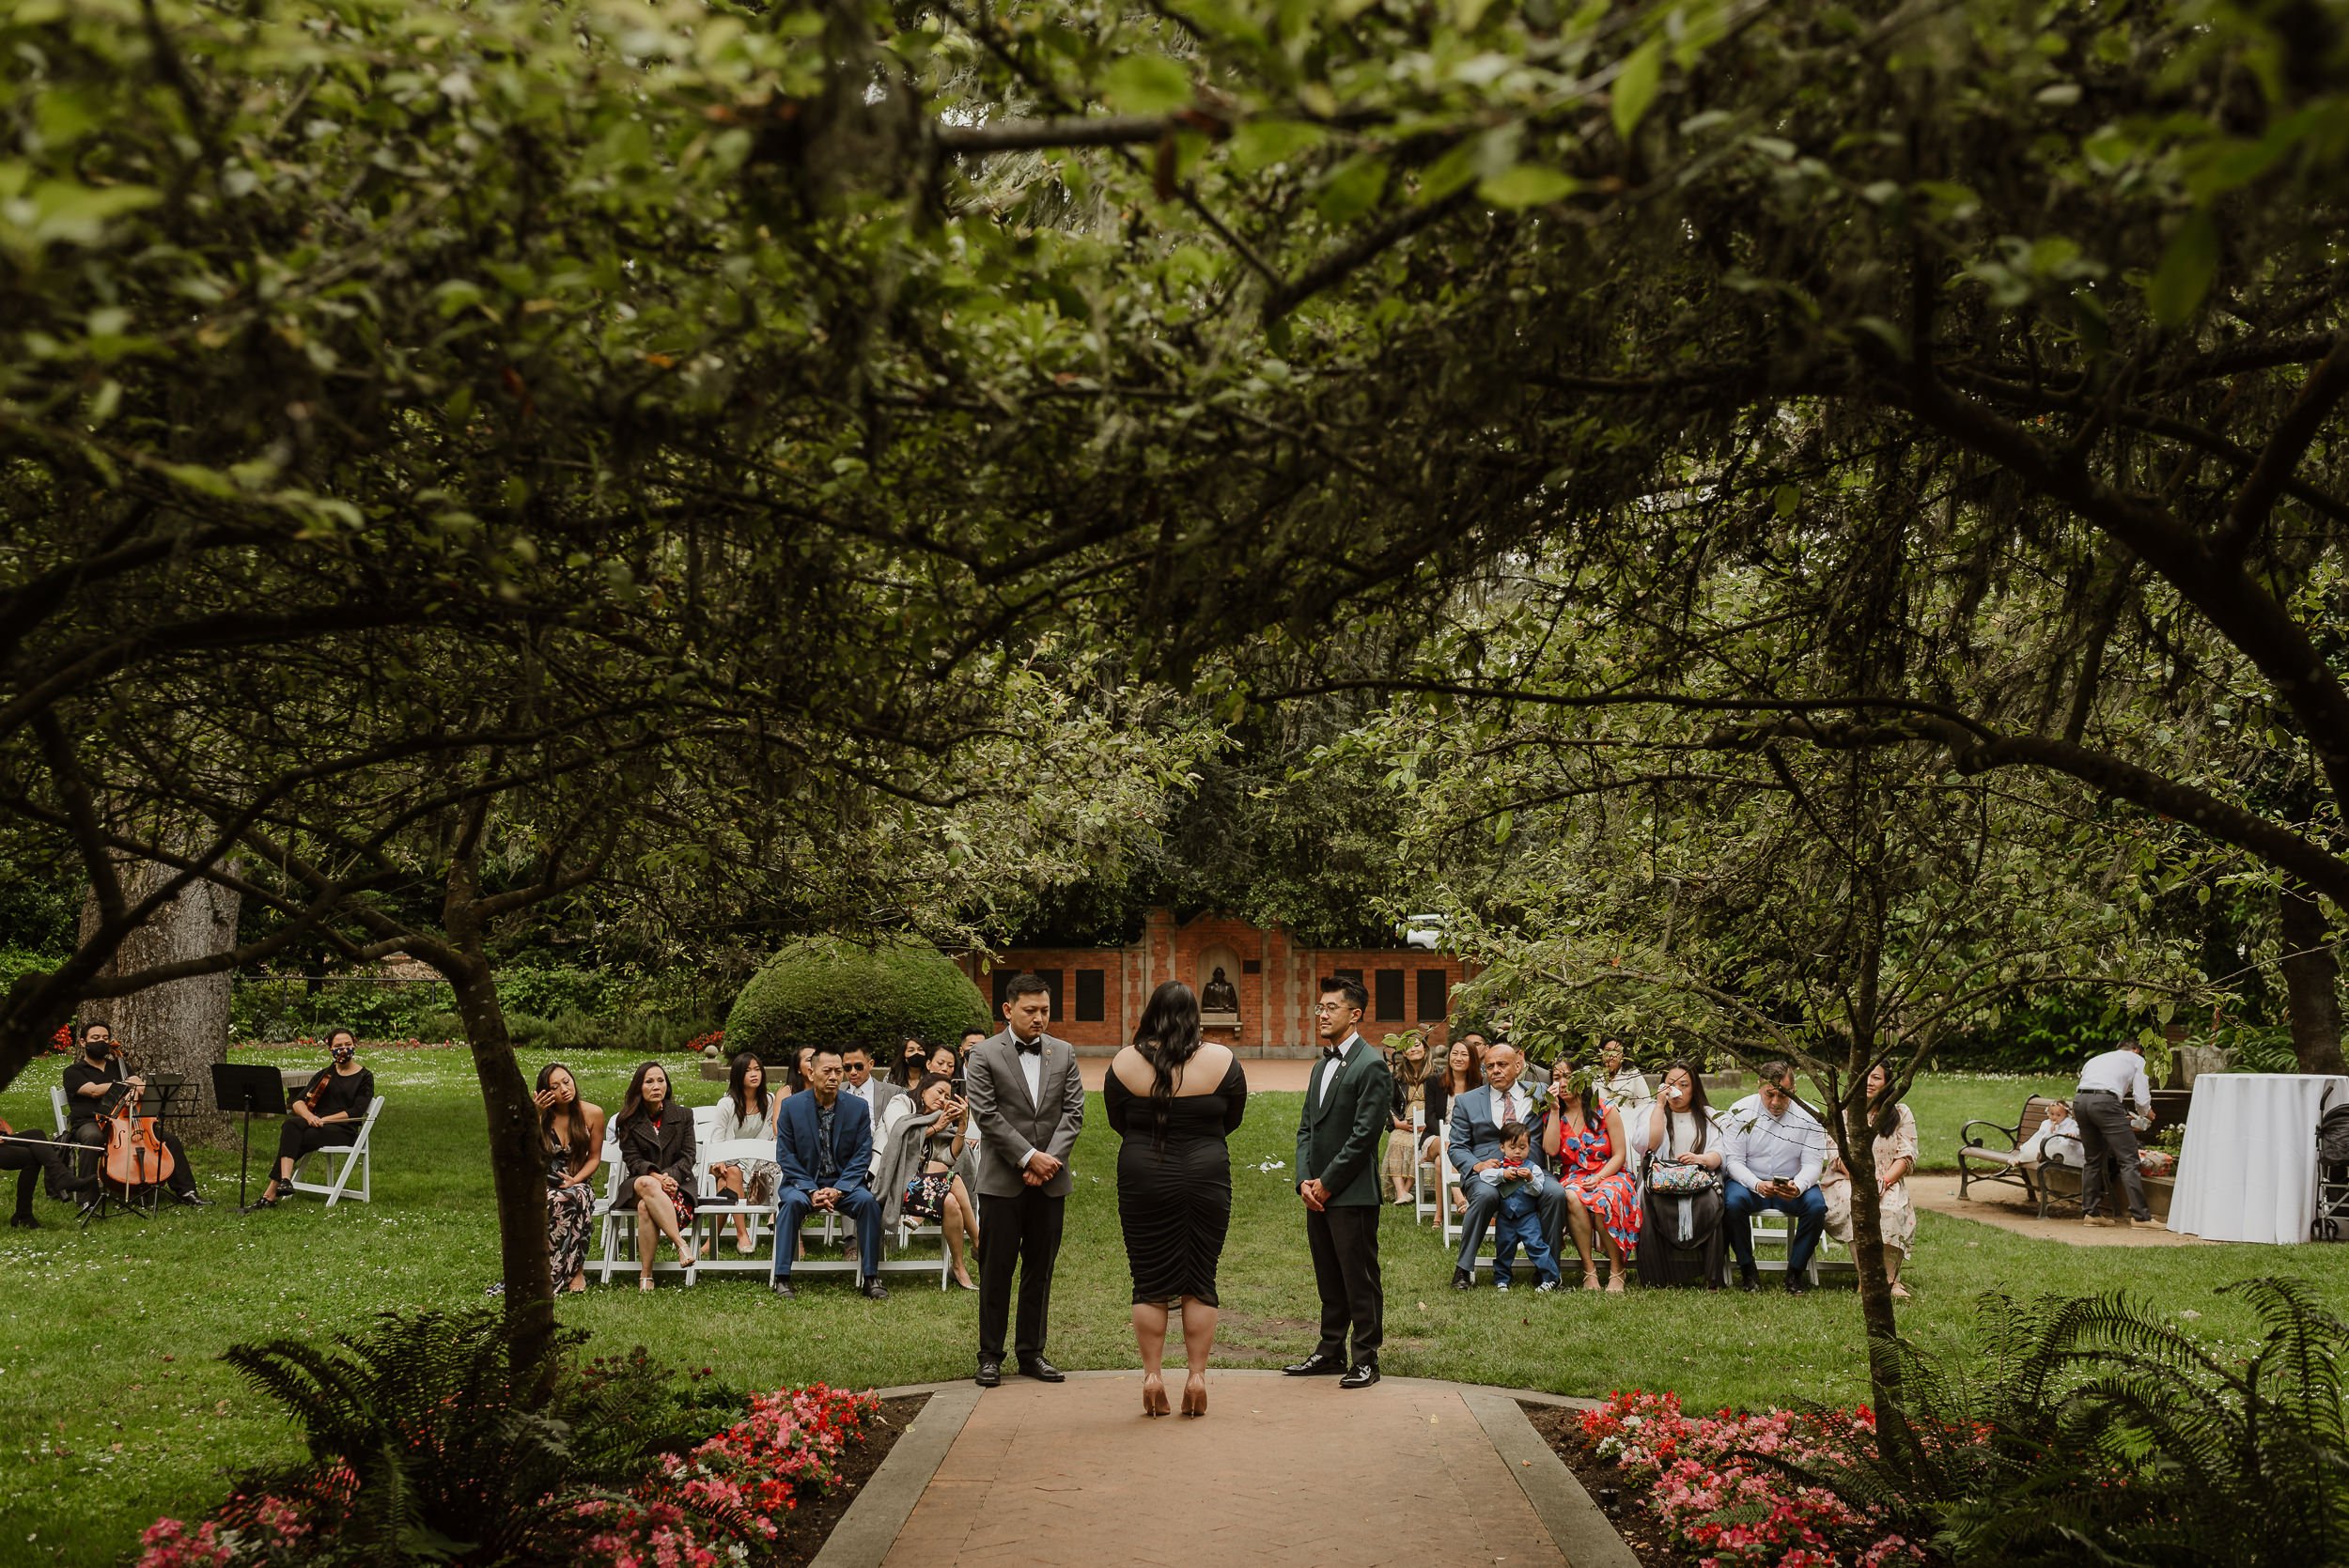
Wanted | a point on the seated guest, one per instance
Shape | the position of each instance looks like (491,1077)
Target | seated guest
(327,1113)
(1584,1135)
(1477,1118)
(658,1155)
(1621,1084)
(1895,1133)
(2058,1140)
(799,1062)
(1518,1222)
(1775,1151)
(1408,1068)
(912,1055)
(94,1084)
(824,1143)
(745,1111)
(944,1061)
(972,1040)
(571,1133)
(1686,1146)
(927,1134)
(1458,1073)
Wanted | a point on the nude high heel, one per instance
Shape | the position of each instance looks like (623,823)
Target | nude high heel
(1196,1397)
(1153,1397)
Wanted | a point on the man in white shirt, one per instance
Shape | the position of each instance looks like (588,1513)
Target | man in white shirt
(1776,1150)
(1477,1118)
(875,1091)
(2107,1085)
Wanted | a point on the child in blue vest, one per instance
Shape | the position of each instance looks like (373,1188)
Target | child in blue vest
(1519,1222)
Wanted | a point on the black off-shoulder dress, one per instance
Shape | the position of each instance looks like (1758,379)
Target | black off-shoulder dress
(1174,1195)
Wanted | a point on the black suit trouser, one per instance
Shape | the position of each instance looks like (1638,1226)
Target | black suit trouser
(1344,1243)
(1019,1233)
(35,1159)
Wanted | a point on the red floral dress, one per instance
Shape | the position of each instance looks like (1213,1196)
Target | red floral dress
(1615,1201)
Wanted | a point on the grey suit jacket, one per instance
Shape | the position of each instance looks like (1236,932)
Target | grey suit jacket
(1011,1126)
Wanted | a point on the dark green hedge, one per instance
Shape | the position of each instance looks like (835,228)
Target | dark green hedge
(822,990)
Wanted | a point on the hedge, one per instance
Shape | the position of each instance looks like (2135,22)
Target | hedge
(826,990)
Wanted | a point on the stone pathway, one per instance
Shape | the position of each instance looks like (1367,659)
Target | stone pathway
(1286,1472)
(1938,1193)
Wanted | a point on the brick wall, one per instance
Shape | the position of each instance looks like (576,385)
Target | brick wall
(1100,991)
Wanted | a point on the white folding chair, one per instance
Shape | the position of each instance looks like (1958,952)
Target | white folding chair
(342,1158)
(712,1209)
(618,1230)
(1426,1178)
(1778,1230)
(57,1107)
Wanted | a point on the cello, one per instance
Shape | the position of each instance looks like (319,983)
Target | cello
(135,1155)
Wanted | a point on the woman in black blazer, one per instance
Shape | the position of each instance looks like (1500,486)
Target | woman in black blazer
(656,1152)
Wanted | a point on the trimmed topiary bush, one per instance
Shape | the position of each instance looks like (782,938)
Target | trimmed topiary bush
(827,991)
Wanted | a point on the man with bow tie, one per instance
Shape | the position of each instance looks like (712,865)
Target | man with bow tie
(1347,1105)
(1029,1101)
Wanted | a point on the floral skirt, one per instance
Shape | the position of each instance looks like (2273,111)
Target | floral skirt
(570,1215)
(926,1194)
(1615,1205)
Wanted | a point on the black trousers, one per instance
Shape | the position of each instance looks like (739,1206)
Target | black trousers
(1020,1234)
(2107,1140)
(91,1136)
(37,1158)
(296,1138)
(1344,1243)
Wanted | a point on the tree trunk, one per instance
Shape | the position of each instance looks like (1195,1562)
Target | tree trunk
(517,1162)
(181,1026)
(2312,980)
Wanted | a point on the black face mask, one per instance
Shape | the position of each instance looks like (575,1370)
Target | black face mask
(98,1051)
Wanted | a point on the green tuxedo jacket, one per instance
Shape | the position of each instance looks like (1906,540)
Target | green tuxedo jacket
(1337,1138)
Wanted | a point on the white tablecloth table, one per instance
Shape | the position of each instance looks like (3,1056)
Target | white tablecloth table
(2247,1170)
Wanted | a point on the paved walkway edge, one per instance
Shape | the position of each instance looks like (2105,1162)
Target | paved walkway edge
(870,1526)
(1582,1530)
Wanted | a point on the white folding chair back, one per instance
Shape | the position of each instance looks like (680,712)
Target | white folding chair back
(1426,1178)
(341,1160)
(713,1209)
(58,1106)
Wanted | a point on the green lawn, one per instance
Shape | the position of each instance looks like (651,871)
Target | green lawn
(114,1406)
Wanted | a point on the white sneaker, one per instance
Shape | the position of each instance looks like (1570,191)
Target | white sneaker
(1500,1284)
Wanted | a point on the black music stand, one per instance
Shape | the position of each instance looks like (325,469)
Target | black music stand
(247,1087)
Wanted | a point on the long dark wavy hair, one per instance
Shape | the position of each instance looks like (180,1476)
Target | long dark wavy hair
(633,1105)
(1167,1036)
(736,1089)
(565,1126)
(1697,1105)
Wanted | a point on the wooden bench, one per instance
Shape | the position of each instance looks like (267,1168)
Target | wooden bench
(1978,1161)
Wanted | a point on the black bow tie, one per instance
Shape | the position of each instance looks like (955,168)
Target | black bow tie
(1028,1047)
(1332,1053)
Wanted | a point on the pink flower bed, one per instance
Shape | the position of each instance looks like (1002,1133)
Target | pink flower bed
(1724,1506)
(695,1511)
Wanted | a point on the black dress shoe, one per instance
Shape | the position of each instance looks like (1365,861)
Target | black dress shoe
(1041,1370)
(1463,1280)
(873,1290)
(1797,1285)
(1319,1364)
(990,1371)
(1749,1282)
(192,1200)
(782,1288)
(1361,1376)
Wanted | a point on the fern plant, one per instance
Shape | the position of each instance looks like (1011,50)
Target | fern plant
(430,1453)
(2094,1431)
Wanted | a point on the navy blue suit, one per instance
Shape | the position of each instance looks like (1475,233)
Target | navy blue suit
(796,1153)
